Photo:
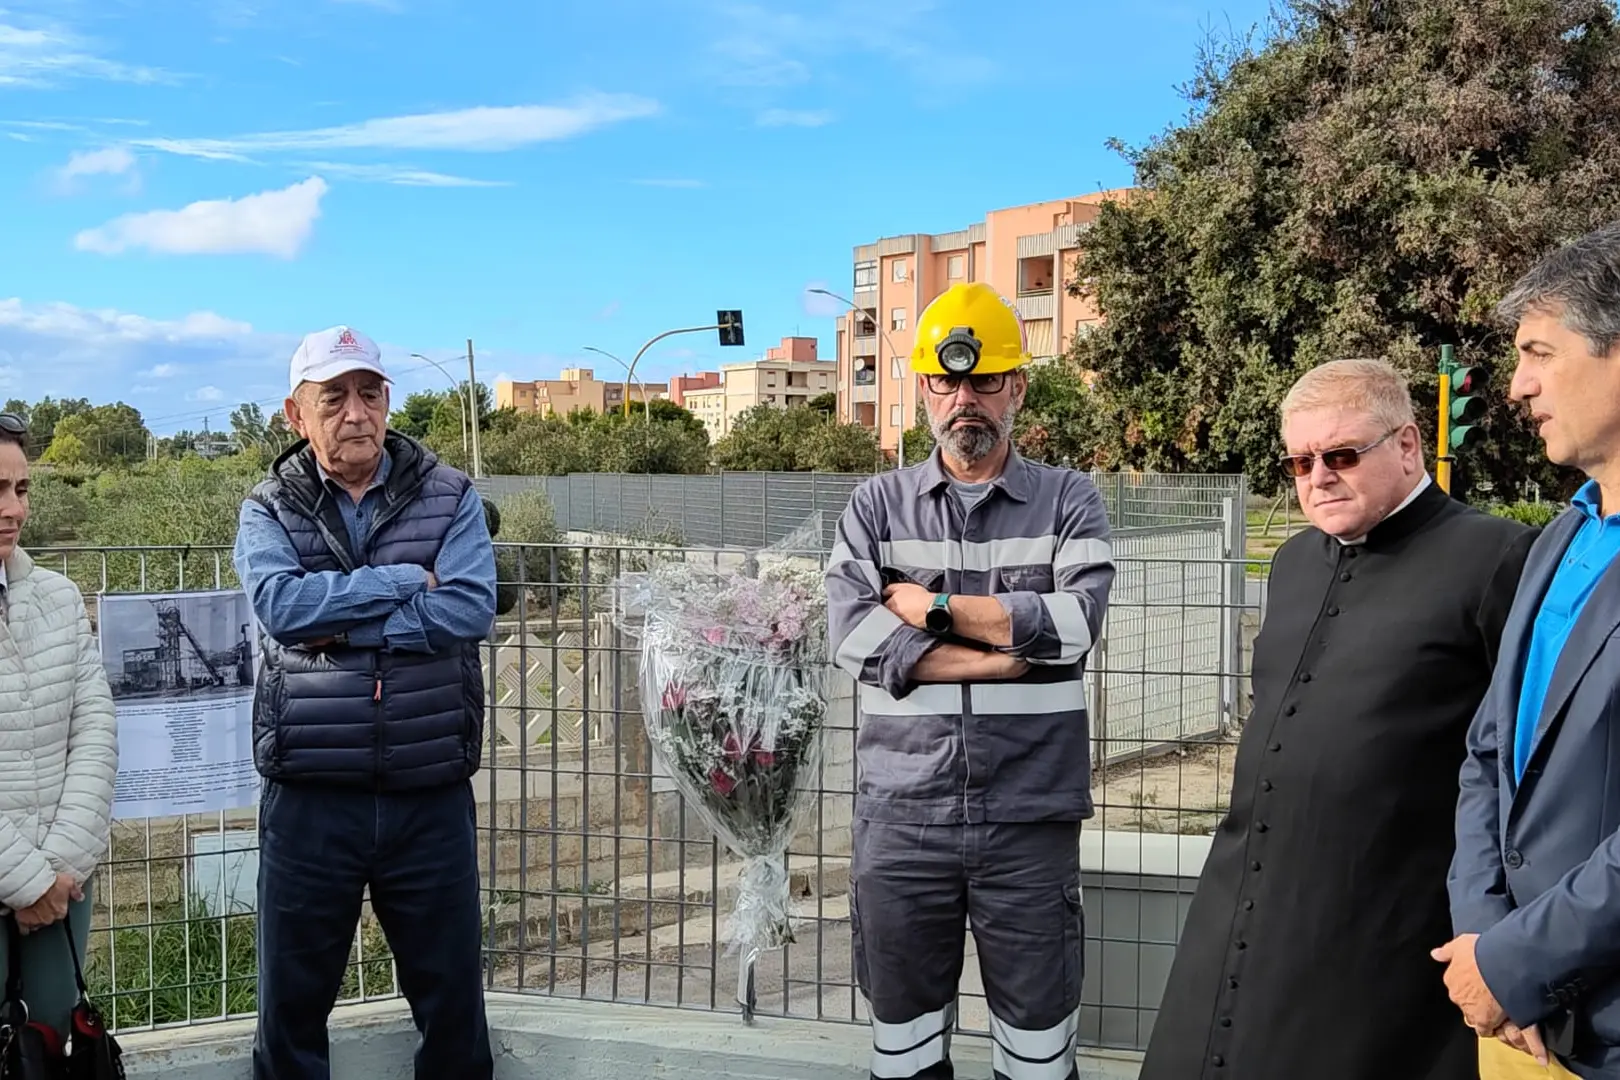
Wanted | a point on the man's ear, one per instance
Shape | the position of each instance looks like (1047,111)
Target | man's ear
(290,410)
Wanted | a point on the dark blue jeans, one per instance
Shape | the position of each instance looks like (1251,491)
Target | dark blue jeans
(319,850)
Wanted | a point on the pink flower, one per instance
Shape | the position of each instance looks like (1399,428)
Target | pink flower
(732,747)
(674,697)
(765,757)
(721,782)
(715,635)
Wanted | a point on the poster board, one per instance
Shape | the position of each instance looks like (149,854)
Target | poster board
(181,667)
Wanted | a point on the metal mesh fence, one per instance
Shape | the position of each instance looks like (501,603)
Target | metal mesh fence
(601,884)
(752,509)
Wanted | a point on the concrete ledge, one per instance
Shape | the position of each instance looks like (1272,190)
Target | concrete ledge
(557,1039)
(1120,851)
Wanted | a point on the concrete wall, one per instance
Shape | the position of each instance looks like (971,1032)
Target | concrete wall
(537,1038)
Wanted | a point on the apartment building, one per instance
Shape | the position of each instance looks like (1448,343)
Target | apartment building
(1026,253)
(576,388)
(681,385)
(787,376)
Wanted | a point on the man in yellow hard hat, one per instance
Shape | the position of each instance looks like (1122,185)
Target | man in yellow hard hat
(964,594)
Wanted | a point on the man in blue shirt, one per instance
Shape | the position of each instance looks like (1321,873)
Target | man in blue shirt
(370,569)
(1535,882)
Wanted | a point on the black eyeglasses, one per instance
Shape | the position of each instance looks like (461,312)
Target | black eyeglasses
(1339,459)
(12,424)
(987,384)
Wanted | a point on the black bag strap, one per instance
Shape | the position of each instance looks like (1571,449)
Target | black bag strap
(73,951)
(13,1009)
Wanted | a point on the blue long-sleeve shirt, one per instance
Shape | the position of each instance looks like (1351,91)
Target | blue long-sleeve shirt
(387,607)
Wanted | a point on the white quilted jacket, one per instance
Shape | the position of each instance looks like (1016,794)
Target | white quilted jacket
(58,736)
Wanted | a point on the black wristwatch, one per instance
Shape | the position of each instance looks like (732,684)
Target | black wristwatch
(938,618)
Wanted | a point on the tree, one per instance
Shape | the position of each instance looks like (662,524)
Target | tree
(248,425)
(826,404)
(768,439)
(416,415)
(1368,180)
(102,434)
(1058,424)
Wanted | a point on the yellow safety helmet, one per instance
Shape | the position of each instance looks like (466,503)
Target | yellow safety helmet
(969,329)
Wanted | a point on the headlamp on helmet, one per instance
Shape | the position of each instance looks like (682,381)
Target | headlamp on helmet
(959,351)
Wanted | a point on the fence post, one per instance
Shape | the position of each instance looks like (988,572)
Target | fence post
(1232,586)
(721,542)
(764,509)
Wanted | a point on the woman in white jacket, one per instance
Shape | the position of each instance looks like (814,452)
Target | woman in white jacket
(58,753)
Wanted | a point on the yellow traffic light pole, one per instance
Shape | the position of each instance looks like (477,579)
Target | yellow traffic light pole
(1442,456)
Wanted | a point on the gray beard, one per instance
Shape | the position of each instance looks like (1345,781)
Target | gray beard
(973,443)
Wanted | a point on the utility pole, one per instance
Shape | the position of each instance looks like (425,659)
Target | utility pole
(472,408)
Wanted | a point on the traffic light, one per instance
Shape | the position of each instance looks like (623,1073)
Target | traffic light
(1467,405)
(731,327)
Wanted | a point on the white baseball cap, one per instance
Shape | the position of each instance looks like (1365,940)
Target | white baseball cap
(326,354)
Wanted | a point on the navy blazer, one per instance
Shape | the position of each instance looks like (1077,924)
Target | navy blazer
(1537,868)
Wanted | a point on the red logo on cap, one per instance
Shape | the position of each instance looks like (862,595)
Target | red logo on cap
(347,343)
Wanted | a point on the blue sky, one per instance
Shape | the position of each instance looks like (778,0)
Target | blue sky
(187,186)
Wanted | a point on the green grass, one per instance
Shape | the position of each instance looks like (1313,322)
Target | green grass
(192,964)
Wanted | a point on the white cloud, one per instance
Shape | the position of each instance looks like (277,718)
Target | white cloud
(109,161)
(274,223)
(794,118)
(106,327)
(402,175)
(112,161)
(486,128)
(675,182)
(769,47)
(105,354)
(46,54)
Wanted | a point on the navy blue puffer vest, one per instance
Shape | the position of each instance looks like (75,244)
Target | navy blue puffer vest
(367,718)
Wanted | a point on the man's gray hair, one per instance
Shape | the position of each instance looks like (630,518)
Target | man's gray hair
(1373,388)
(1582,278)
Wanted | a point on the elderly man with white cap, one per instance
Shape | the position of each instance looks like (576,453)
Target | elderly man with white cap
(371,573)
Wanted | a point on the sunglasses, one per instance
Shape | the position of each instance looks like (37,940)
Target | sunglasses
(1339,459)
(990,383)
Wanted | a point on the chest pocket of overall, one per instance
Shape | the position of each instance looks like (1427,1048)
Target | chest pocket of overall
(931,579)
(1035,578)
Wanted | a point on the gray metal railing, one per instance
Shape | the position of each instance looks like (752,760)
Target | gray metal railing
(599,882)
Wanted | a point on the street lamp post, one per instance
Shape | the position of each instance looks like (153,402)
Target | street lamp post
(461,396)
(905,418)
(630,372)
(644,399)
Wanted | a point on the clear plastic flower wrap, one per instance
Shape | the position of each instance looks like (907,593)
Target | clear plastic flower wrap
(734,697)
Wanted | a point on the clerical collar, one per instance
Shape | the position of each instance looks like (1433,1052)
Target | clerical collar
(1411,497)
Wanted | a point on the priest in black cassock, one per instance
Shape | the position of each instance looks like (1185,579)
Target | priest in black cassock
(1305,954)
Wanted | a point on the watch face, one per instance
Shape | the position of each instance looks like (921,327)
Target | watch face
(939,618)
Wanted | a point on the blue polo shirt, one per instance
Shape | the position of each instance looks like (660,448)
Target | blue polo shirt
(1590,552)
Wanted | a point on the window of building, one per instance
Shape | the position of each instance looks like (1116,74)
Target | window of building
(956,267)
(897,318)
(866,275)
(896,371)
(894,416)
(1035,275)
(899,270)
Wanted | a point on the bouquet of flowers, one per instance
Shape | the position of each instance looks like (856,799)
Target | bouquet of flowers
(733,669)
